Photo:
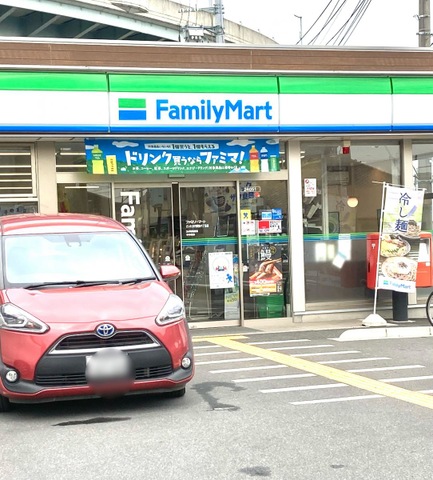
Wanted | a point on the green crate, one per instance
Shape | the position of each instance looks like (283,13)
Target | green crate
(270,306)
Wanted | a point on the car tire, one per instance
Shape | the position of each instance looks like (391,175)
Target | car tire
(177,393)
(5,404)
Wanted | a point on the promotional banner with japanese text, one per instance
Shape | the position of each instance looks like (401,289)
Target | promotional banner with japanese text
(400,239)
(130,156)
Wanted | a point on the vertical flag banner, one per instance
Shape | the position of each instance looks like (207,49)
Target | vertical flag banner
(400,239)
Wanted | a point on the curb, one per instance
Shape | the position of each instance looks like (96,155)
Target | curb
(378,333)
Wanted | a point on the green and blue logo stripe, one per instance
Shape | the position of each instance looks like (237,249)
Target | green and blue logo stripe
(132,109)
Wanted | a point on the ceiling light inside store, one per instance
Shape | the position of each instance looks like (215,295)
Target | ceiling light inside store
(15,154)
(88,187)
(70,154)
(352,202)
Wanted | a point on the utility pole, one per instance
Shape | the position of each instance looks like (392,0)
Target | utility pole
(219,21)
(197,33)
(424,35)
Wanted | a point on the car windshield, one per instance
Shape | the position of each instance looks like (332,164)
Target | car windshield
(76,258)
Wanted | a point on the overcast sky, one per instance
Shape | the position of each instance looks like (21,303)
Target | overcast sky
(384,23)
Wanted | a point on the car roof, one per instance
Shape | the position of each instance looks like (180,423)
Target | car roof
(31,223)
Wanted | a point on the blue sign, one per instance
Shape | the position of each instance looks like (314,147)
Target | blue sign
(277,214)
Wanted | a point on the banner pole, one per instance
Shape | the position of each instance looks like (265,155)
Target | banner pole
(374,319)
(384,186)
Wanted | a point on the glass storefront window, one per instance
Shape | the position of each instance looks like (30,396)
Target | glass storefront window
(84,198)
(342,198)
(422,163)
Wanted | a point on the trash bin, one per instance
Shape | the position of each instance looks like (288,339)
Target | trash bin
(270,306)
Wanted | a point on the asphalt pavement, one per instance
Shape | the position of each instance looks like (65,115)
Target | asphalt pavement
(295,404)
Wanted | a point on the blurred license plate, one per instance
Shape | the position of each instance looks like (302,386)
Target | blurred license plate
(108,365)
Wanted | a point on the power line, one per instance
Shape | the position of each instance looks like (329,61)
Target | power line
(333,15)
(341,29)
(314,23)
(347,29)
(355,23)
(339,35)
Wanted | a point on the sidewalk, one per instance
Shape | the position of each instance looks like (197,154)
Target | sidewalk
(349,329)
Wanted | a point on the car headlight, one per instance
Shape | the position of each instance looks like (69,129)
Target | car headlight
(172,312)
(14,318)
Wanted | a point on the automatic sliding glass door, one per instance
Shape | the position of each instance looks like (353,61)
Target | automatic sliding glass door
(148,213)
(209,252)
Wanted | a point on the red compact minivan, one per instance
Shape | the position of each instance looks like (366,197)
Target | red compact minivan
(84,312)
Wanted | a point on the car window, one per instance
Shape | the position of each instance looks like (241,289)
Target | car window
(105,256)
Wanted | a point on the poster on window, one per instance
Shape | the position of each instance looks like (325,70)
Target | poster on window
(265,269)
(400,239)
(221,270)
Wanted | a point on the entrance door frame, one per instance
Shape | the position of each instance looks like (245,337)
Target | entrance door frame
(225,183)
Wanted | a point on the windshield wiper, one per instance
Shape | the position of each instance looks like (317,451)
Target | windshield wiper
(136,280)
(88,283)
(126,281)
(72,283)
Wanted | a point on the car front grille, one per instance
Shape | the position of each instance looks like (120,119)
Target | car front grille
(79,379)
(126,340)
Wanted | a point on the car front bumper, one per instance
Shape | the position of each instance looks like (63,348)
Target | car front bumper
(24,391)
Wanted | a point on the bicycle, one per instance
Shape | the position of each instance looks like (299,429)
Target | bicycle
(429,308)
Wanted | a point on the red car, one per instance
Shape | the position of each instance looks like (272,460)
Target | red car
(84,312)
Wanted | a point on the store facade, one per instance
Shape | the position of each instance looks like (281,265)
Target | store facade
(261,187)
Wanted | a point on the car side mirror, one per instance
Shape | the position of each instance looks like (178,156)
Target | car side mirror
(169,272)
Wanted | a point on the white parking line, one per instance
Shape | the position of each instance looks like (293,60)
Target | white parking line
(247,369)
(339,385)
(384,369)
(343,352)
(225,352)
(337,399)
(304,387)
(298,347)
(405,379)
(205,347)
(274,342)
(230,360)
(346,399)
(282,377)
(276,377)
(351,360)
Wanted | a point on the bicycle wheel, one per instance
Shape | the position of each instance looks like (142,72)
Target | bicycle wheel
(429,308)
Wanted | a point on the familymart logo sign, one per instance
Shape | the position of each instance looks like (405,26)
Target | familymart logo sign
(217,110)
(132,108)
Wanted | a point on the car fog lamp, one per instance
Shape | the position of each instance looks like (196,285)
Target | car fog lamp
(11,376)
(186,362)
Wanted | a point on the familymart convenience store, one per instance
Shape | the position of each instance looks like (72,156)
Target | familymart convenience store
(203,169)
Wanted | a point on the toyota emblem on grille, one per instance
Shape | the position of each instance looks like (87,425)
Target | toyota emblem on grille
(105,330)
